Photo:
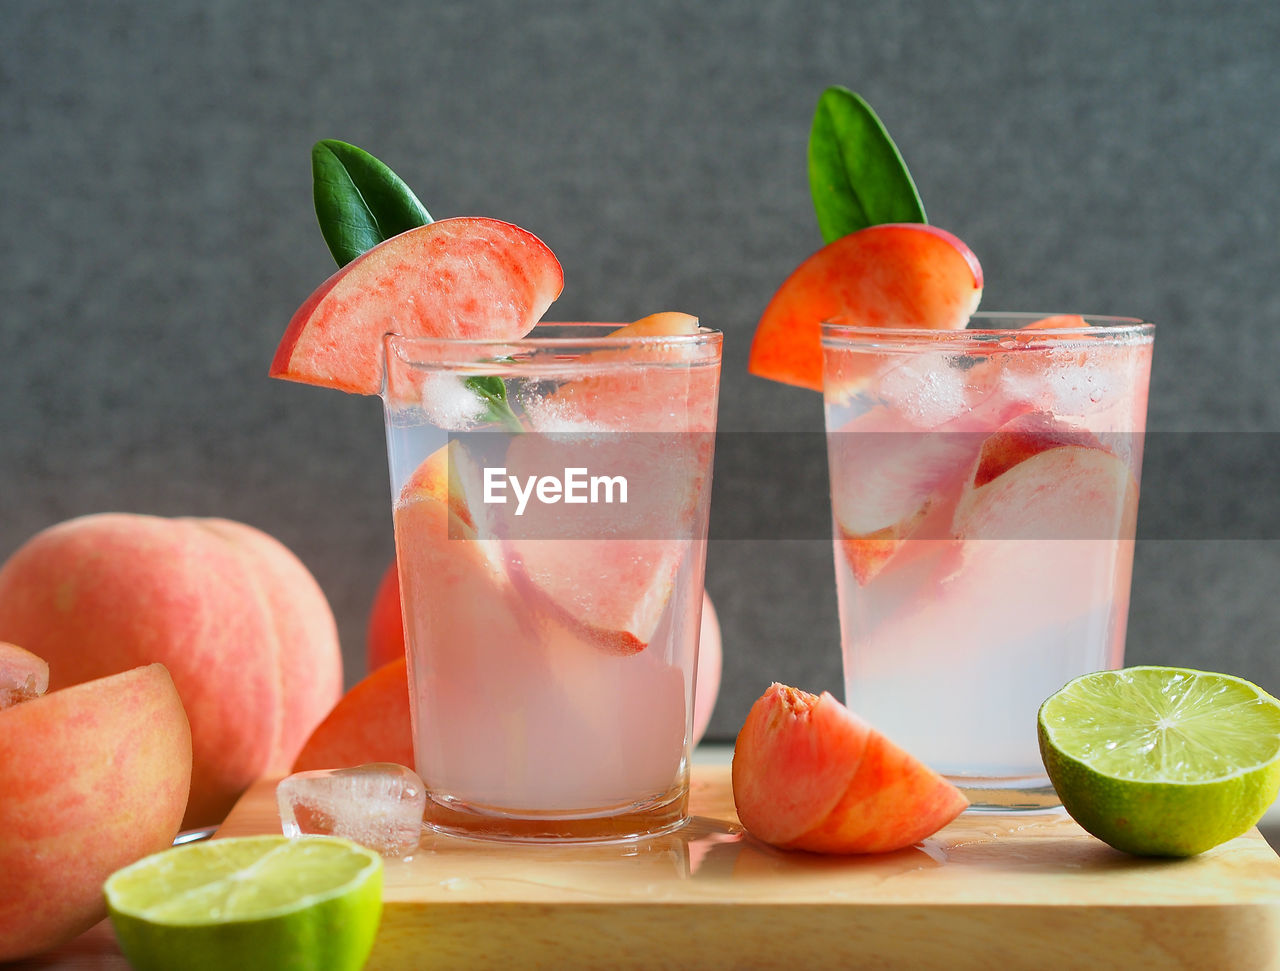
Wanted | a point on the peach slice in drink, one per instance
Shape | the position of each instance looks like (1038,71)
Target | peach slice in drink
(1058,322)
(467,277)
(1058,513)
(1058,492)
(639,395)
(607,568)
(893,478)
(634,582)
(645,385)
(1043,480)
(809,774)
(644,412)
(892,473)
(891,275)
(1030,365)
(447,475)
(1046,515)
(667,323)
(1020,439)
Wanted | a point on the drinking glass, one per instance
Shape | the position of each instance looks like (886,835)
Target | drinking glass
(550,503)
(984,490)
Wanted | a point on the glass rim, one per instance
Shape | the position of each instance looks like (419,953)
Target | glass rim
(585,347)
(840,331)
(702,337)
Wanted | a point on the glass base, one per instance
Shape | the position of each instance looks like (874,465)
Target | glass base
(999,794)
(654,817)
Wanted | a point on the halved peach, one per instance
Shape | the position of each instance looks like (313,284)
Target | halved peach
(239,622)
(94,777)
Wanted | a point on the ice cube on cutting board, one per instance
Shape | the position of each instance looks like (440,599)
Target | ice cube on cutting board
(379,805)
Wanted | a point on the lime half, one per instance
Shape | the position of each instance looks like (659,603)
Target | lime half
(1162,761)
(247,903)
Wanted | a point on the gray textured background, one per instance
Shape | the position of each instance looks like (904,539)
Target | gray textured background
(155,188)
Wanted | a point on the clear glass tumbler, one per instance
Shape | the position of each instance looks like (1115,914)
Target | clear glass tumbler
(550,498)
(984,489)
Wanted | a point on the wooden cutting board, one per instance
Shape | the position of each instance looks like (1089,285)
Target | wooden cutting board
(988,891)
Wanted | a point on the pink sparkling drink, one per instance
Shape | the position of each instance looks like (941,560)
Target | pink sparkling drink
(984,489)
(550,506)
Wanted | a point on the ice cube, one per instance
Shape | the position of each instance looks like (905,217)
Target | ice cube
(926,393)
(450,403)
(1076,389)
(1024,385)
(379,805)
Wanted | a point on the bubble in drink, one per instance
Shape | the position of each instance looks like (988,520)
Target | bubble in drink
(379,805)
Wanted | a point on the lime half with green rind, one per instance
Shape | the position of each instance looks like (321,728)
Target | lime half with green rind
(251,902)
(1161,761)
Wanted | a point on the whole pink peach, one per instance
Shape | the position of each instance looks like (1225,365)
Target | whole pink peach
(239,622)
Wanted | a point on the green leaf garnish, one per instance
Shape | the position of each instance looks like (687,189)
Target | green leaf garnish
(359,201)
(493,391)
(856,175)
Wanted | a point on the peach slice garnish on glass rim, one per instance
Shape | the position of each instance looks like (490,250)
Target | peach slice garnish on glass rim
(467,277)
(891,275)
